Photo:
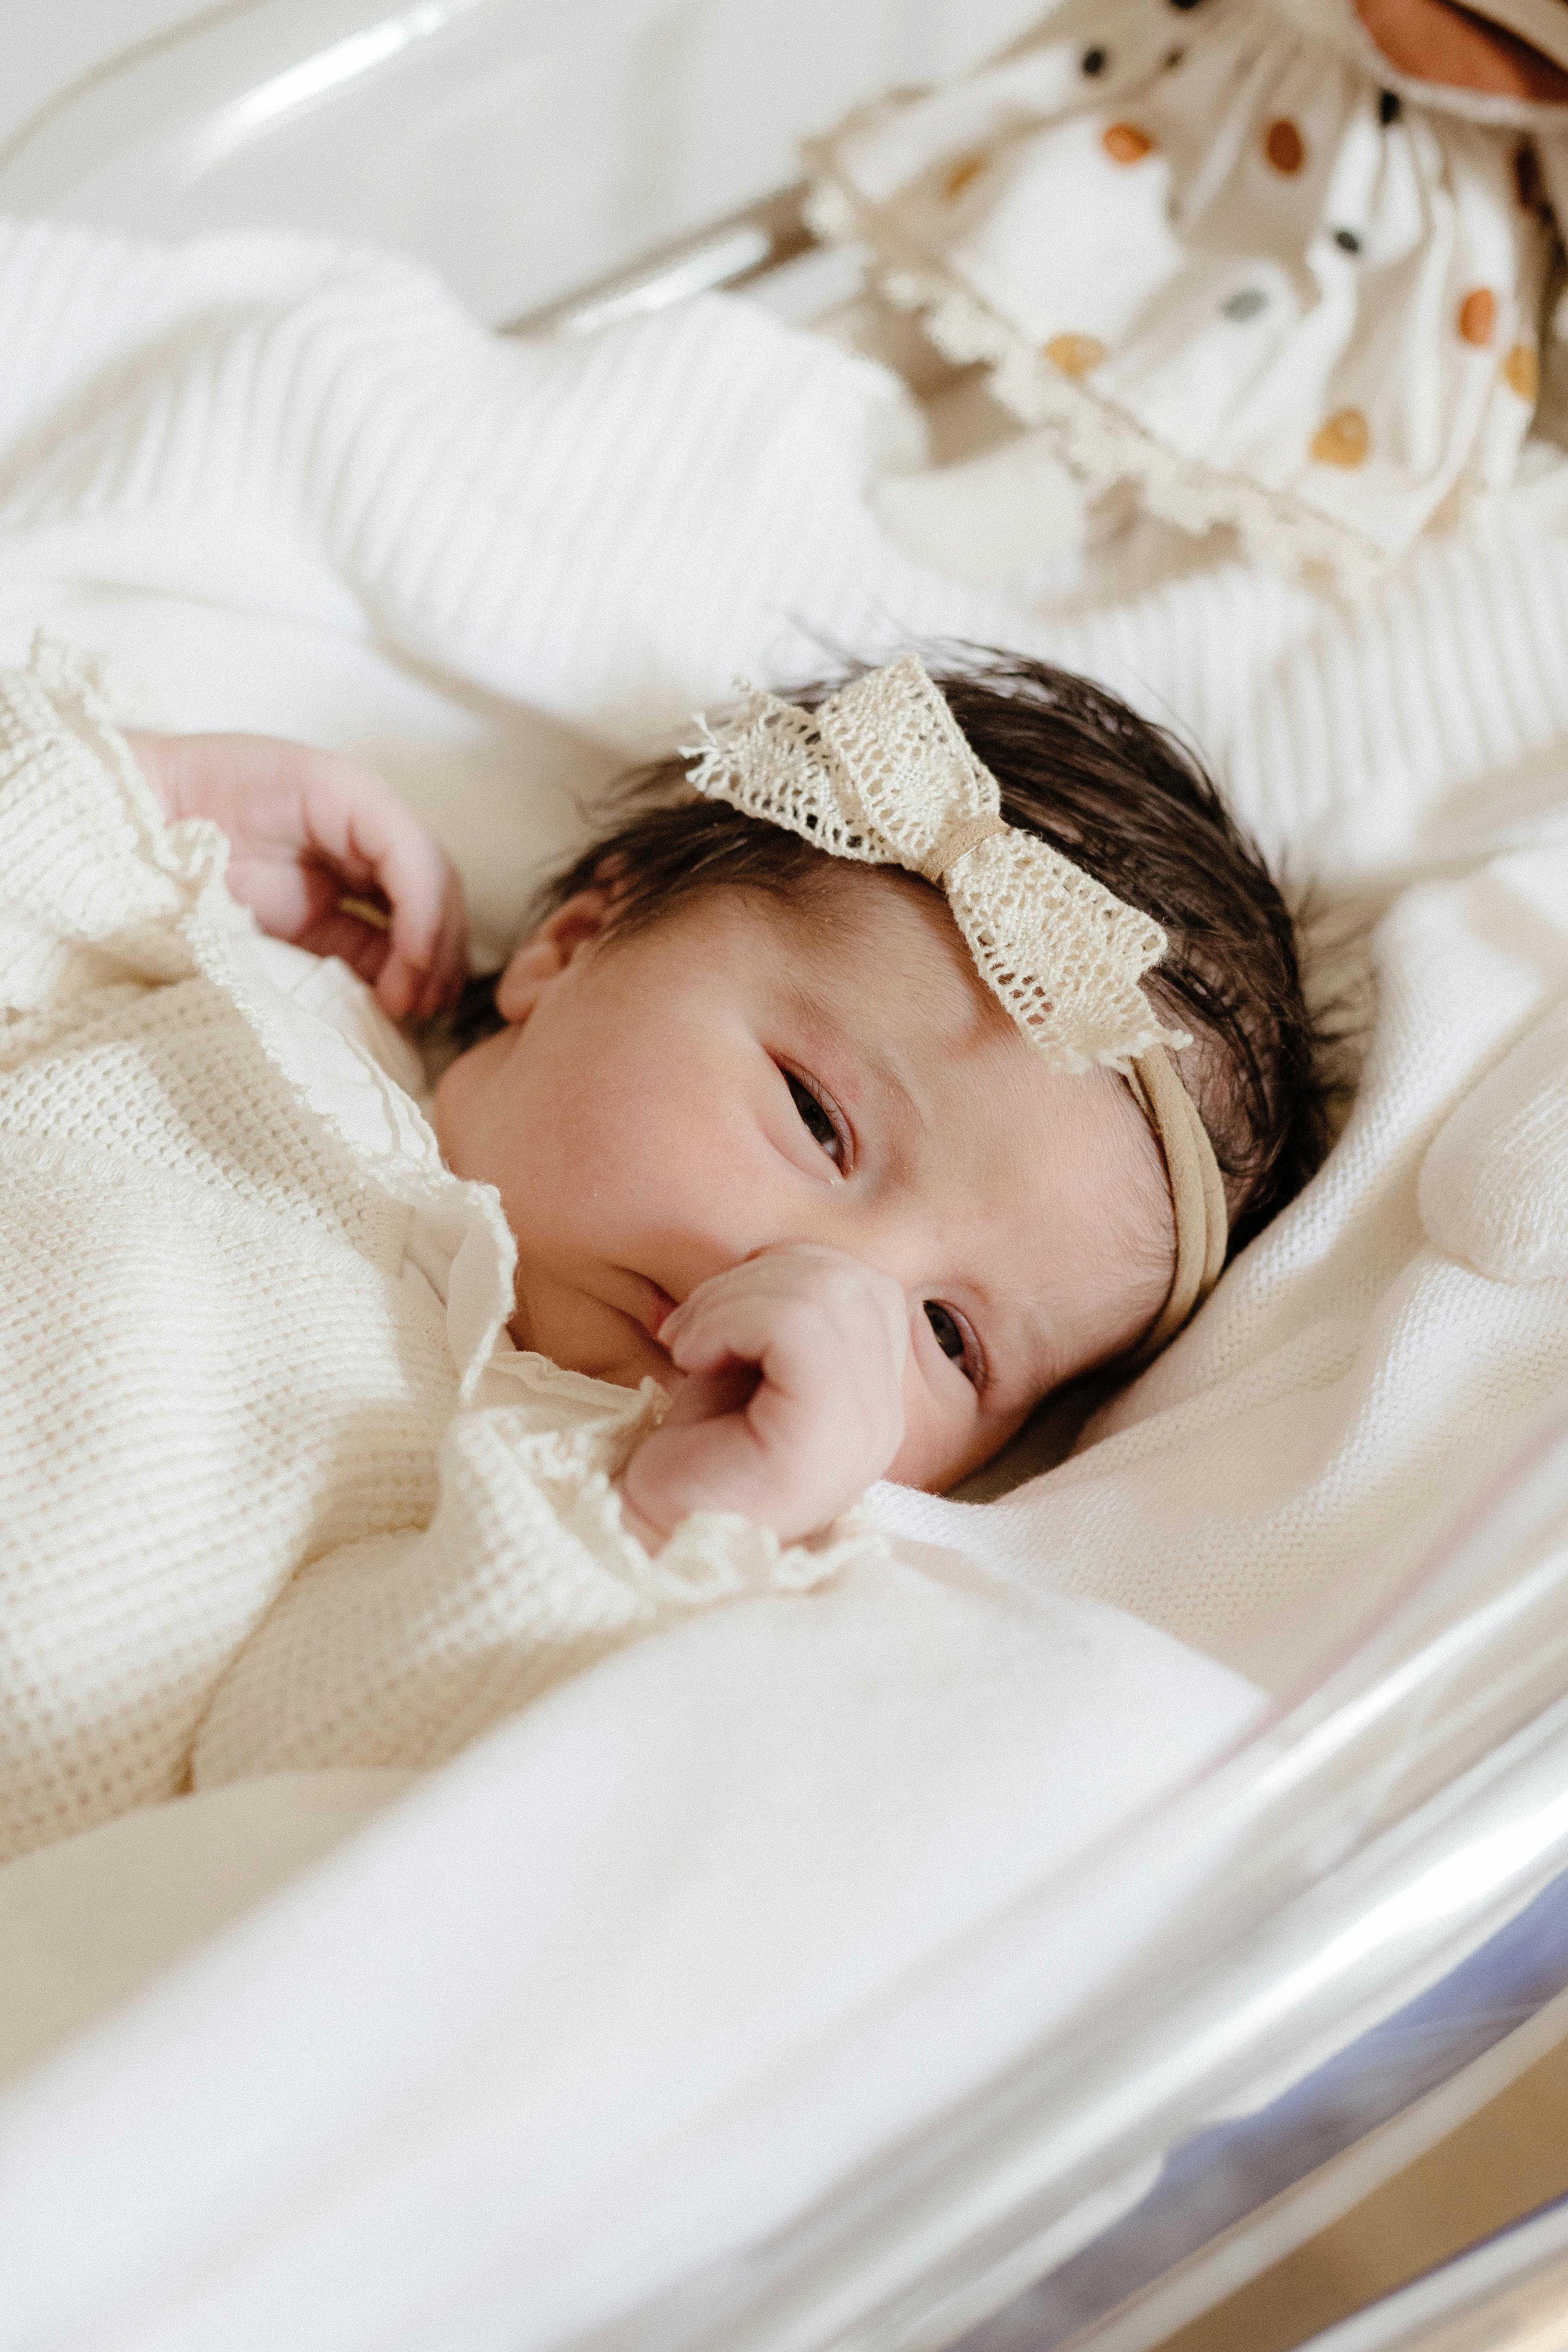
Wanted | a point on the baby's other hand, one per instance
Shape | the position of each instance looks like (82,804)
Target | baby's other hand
(308,829)
(793,1399)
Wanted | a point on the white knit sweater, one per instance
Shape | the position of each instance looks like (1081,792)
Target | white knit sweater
(278,1490)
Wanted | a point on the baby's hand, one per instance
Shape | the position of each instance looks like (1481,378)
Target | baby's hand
(309,829)
(792,1401)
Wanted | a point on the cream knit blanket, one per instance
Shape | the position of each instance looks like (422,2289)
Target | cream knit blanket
(278,1490)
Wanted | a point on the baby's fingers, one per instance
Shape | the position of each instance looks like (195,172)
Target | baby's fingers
(783,1337)
(428,954)
(813,1306)
(422,972)
(359,829)
(826,1337)
(792,1397)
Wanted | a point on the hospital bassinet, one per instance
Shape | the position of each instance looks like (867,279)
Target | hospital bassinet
(1363,1928)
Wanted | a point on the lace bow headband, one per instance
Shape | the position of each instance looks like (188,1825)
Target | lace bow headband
(882,773)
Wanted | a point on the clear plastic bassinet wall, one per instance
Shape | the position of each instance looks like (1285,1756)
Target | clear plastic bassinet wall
(1378,1900)
(521,152)
(1138,2085)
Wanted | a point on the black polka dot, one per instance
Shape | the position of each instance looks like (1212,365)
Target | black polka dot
(1388,108)
(1183,4)
(1094,61)
(1347,240)
(1173,58)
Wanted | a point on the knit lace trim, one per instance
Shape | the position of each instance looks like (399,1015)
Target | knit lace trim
(1102,442)
(96,700)
(882,773)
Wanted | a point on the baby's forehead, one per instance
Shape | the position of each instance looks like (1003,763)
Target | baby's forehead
(882,945)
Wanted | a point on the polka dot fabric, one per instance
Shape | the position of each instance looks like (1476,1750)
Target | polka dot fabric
(230,1387)
(1234,268)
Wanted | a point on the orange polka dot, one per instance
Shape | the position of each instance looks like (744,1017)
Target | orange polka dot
(1522,372)
(1477,316)
(962,174)
(1341,439)
(1125,143)
(1075,354)
(1284,146)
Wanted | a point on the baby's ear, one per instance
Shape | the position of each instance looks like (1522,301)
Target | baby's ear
(547,951)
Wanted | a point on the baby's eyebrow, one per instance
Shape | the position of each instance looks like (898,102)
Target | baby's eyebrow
(886,1067)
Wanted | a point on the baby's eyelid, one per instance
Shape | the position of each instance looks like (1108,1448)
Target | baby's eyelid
(830,1111)
(974,1366)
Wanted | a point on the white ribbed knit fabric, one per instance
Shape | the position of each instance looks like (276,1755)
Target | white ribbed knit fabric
(247,1340)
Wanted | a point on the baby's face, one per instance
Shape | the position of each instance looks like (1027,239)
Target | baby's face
(743,1074)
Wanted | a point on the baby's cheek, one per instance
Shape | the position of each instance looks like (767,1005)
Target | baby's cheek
(941,1431)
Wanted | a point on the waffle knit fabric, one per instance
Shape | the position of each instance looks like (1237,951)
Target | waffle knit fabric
(278,1490)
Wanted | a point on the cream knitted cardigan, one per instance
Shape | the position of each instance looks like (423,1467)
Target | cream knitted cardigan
(278,1490)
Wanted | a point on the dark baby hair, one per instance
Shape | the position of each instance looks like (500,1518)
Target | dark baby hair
(1124,799)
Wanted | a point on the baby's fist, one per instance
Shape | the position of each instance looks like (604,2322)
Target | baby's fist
(793,1399)
(323,853)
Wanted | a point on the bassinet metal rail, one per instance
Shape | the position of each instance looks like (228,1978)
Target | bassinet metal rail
(731,255)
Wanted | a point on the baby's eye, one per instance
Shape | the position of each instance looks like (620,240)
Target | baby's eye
(816,1119)
(950,1337)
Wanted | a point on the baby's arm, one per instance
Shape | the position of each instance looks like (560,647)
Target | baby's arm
(308,830)
(792,1401)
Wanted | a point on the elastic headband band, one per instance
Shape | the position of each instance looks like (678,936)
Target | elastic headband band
(1197,1195)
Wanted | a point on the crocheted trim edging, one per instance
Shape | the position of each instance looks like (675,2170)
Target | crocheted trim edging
(882,774)
(1103,443)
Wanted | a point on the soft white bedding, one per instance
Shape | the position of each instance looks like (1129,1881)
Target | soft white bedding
(306,493)
(369,520)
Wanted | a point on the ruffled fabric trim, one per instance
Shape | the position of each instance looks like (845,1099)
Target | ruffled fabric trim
(1106,447)
(1238,274)
(402,1649)
(587,1432)
(460,1224)
(564,1438)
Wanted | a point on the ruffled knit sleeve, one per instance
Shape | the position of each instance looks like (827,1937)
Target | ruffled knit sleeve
(278,1488)
(401,1650)
(96,887)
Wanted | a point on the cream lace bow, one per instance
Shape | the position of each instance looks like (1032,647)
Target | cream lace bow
(883,774)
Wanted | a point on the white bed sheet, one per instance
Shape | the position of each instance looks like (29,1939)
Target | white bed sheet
(305,493)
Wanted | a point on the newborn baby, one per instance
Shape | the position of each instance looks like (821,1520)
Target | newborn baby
(759,1127)
(899,1055)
